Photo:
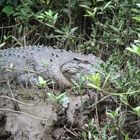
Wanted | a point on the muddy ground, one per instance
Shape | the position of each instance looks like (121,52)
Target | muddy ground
(33,116)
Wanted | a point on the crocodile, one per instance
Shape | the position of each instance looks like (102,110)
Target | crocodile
(24,65)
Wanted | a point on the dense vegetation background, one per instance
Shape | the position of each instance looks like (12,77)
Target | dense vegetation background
(107,28)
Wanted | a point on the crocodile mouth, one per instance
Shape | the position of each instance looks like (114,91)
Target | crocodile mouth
(77,71)
(74,74)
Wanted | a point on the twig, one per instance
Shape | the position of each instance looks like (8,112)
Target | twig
(11,26)
(70,131)
(16,106)
(97,118)
(20,101)
(31,116)
(98,101)
(137,121)
(69,13)
(60,135)
(13,68)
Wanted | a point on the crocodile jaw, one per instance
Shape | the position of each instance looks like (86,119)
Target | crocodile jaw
(78,70)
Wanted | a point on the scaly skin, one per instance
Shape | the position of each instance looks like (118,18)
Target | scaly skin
(32,61)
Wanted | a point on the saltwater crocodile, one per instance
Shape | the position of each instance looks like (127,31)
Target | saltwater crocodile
(24,65)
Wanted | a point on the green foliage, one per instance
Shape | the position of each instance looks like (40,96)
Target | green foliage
(42,82)
(136,110)
(78,86)
(124,72)
(9,10)
(60,99)
(106,23)
(48,17)
(114,114)
(117,120)
(24,11)
(110,18)
(93,133)
(137,18)
(66,34)
(135,49)
(94,81)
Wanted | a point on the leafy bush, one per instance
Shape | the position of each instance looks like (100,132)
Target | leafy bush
(92,25)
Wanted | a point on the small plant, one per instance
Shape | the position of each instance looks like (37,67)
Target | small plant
(24,11)
(58,100)
(135,49)
(42,82)
(9,10)
(67,35)
(136,110)
(94,81)
(91,132)
(114,114)
(117,121)
(49,18)
(79,86)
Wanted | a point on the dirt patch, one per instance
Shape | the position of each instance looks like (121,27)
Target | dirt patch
(34,117)
(37,118)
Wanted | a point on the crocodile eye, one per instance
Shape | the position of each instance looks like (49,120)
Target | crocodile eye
(81,60)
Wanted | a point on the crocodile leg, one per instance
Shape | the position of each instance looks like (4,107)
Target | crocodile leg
(57,76)
(27,79)
(51,72)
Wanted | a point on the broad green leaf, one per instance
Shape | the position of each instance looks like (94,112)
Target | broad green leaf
(93,86)
(42,82)
(85,6)
(134,49)
(64,101)
(74,29)
(107,4)
(59,99)
(61,95)
(137,110)
(52,97)
(137,18)
(113,114)
(2,44)
(94,80)
(45,1)
(138,4)
(127,137)
(9,10)
(124,99)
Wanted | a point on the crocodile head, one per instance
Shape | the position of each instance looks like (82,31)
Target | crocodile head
(78,68)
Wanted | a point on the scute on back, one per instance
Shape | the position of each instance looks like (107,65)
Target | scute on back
(25,64)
